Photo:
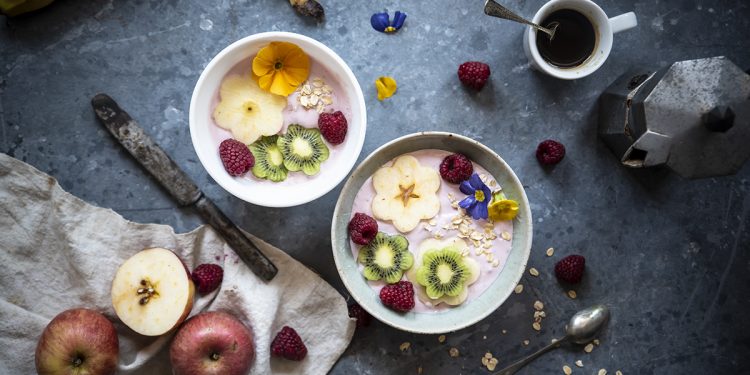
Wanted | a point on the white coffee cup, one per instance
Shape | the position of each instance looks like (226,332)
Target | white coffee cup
(604,28)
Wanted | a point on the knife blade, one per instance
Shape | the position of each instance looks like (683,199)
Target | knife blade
(153,158)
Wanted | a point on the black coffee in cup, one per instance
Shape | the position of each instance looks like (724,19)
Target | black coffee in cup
(574,41)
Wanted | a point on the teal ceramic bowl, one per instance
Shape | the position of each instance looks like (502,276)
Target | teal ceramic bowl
(460,316)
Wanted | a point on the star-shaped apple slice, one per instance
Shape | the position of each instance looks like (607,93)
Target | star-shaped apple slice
(406,193)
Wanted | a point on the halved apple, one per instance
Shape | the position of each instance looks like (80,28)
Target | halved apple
(152,292)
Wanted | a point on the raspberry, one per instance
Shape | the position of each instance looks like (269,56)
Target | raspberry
(357,312)
(207,277)
(289,345)
(474,74)
(456,168)
(362,229)
(550,152)
(333,127)
(236,157)
(570,269)
(398,296)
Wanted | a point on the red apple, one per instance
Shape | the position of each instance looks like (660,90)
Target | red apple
(78,341)
(212,343)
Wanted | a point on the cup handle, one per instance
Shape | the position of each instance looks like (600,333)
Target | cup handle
(623,22)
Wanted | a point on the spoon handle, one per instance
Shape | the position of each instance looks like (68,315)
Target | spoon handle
(492,8)
(512,369)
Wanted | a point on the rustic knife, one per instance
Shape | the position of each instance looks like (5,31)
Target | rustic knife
(132,137)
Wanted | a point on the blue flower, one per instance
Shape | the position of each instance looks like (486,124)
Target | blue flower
(479,196)
(382,22)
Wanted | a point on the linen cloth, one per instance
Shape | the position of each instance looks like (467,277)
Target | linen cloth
(58,252)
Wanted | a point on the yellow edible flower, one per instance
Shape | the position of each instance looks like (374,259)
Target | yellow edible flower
(502,209)
(386,87)
(280,67)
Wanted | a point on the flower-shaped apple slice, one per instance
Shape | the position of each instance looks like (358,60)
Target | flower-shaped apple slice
(406,193)
(441,274)
(248,111)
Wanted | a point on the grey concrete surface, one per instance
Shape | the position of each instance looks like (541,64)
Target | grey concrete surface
(669,255)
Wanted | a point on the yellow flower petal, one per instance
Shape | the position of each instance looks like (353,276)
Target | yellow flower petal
(295,76)
(280,67)
(503,210)
(261,66)
(386,87)
(281,49)
(265,81)
(297,59)
(280,86)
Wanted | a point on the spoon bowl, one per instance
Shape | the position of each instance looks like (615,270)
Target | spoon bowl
(585,324)
(581,329)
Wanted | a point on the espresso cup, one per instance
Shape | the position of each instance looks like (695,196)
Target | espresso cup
(604,28)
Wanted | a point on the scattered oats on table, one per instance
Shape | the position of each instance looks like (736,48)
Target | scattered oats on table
(453,352)
(572,294)
(525,342)
(588,348)
(504,332)
(536,326)
(441,339)
(618,372)
(533,271)
(596,342)
(550,252)
(489,361)
(492,363)
(567,370)
(419,370)
(579,363)
(538,306)
(405,346)
(518,289)
(602,372)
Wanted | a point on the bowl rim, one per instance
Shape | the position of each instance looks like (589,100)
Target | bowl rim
(524,247)
(357,100)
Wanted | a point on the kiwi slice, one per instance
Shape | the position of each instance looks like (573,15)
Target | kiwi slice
(386,258)
(269,161)
(303,149)
(443,272)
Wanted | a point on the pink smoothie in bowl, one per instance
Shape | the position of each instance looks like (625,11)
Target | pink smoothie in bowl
(320,81)
(228,74)
(489,243)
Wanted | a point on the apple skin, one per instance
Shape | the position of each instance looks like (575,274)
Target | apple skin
(212,343)
(78,334)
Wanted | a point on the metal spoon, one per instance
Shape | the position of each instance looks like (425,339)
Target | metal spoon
(581,329)
(491,8)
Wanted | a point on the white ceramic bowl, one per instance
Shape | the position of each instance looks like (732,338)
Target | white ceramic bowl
(266,193)
(469,312)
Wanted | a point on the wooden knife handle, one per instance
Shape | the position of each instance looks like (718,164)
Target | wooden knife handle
(243,246)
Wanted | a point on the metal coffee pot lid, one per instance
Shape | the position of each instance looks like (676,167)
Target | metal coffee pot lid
(692,116)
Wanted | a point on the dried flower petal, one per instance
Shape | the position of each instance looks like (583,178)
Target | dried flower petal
(386,87)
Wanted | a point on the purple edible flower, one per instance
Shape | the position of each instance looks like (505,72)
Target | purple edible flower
(479,196)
